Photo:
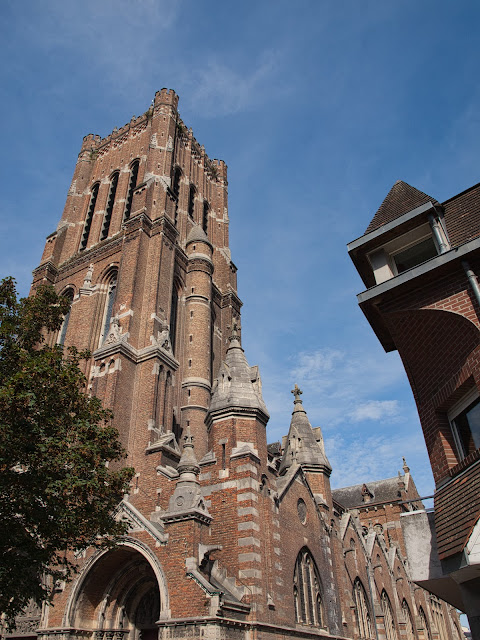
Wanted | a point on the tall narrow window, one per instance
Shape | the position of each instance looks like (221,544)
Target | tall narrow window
(307,591)
(132,183)
(388,619)
(63,329)
(205,216)
(89,217)
(110,203)
(191,201)
(407,618)
(173,316)
(426,627)
(438,618)
(176,190)
(362,610)
(112,287)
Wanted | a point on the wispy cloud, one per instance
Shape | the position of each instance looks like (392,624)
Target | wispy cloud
(219,89)
(350,385)
(363,459)
(375,410)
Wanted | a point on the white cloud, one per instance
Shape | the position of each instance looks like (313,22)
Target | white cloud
(360,459)
(350,384)
(375,410)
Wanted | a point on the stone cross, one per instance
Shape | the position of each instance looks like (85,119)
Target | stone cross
(297,393)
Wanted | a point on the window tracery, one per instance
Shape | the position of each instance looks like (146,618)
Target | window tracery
(89,216)
(63,329)
(108,309)
(131,188)
(307,592)
(110,202)
(362,610)
(389,621)
(407,616)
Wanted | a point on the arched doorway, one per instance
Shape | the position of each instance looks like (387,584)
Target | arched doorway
(120,596)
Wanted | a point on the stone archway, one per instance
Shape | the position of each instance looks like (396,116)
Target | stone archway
(120,596)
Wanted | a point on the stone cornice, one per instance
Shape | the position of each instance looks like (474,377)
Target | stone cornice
(136,355)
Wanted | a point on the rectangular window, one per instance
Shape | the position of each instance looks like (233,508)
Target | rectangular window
(464,418)
(415,255)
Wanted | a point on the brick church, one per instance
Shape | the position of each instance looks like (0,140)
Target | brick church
(229,537)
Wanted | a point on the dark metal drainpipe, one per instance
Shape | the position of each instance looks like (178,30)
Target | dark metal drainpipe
(435,226)
(472,278)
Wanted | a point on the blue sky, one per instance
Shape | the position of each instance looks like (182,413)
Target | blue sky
(317,107)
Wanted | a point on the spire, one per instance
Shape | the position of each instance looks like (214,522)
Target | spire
(238,385)
(187,501)
(406,468)
(304,446)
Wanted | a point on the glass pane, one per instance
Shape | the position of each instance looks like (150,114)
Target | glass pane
(468,427)
(415,255)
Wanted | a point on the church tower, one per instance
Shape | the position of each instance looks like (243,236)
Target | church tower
(228,538)
(142,252)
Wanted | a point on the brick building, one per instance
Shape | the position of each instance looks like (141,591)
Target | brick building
(228,537)
(419,259)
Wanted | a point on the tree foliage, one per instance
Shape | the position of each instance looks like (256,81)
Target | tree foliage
(56,492)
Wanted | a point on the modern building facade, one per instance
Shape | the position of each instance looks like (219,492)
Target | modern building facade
(419,259)
(228,537)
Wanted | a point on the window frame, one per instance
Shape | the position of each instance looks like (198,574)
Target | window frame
(466,402)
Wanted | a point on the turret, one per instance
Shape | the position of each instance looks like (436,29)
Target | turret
(305,448)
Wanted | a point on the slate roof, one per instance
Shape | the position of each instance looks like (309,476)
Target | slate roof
(401,199)
(197,234)
(382,491)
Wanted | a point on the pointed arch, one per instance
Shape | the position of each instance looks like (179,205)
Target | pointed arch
(111,289)
(388,619)
(192,192)
(69,294)
(407,618)
(89,217)
(110,202)
(426,627)
(362,610)
(307,591)
(132,183)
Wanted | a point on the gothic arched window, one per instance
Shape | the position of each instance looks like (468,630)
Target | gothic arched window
(438,618)
(108,308)
(425,625)
(407,617)
(89,217)
(191,201)
(307,592)
(63,329)
(389,621)
(362,610)
(132,183)
(110,202)
(173,316)
(176,189)
(206,209)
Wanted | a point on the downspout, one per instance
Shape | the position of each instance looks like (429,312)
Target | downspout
(472,278)
(438,235)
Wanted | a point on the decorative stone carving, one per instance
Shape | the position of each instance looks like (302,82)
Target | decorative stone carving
(115,332)
(87,283)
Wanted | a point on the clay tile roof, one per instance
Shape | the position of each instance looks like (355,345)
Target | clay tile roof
(401,199)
